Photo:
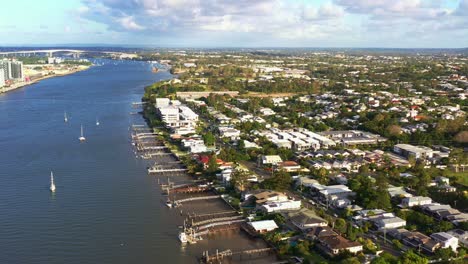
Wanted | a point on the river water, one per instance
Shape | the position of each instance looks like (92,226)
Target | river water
(106,208)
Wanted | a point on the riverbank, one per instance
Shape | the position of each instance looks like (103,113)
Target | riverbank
(38,79)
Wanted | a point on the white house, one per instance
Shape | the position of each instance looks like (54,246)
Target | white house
(266,111)
(446,240)
(161,102)
(229,132)
(389,223)
(415,201)
(271,207)
(263,226)
(270,159)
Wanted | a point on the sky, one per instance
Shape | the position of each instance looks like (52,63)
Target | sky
(237,23)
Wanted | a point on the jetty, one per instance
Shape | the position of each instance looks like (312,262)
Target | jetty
(219,256)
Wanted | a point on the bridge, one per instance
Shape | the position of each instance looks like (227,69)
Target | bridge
(50,51)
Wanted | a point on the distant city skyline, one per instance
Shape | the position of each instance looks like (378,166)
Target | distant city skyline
(241,23)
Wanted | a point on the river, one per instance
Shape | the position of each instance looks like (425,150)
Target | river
(106,208)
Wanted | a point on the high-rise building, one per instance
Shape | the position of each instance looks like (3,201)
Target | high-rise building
(2,77)
(6,66)
(17,71)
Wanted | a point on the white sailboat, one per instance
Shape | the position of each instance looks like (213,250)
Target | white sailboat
(82,138)
(97,122)
(52,184)
(65,117)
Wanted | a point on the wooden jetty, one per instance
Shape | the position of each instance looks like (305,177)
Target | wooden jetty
(219,256)
(180,201)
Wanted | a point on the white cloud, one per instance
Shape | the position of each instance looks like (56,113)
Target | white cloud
(277,20)
(129,23)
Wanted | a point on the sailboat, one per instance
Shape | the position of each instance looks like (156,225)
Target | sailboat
(52,185)
(97,122)
(82,138)
(65,117)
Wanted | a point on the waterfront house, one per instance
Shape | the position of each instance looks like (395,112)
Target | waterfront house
(263,226)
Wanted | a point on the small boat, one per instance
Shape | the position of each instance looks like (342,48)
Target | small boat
(82,138)
(183,237)
(97,122)
(52,184)
(169,203)
(65,117)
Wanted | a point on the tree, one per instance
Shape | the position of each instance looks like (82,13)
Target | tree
(280,181)
(394,130)
(340,225)
(239,178)
(461,137)
(209,138)
(212,164)
(444,253)
(364,169)
(409,257)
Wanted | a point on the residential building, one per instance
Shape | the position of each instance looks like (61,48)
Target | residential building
(162,102)
(461,235)
(271,207)
(17,71)
(446,240)
(169,115)
(6,66)
(306,219)
(263,226)
(289,166)
(269,196)
(229,132)
(386,223)
(415,201)
(2,77)
(269,159)
(335,244)
(417,152)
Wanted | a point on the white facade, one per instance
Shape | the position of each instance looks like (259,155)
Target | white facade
(270,159)
(169,114)
(263,226)
(162,102)
(2,77)
(229,132)
(187,113)
(389,223)
(418,152)
(446,240)
(415,201)
(270,207)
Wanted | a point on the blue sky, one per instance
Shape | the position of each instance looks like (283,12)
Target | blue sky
(238,23)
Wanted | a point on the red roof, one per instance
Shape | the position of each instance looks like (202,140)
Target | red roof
(204,159)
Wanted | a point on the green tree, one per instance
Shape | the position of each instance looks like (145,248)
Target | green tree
(410,257)
(340,225)
(209,138)
(212,164)
(444,253)
(239,179)
(280,181)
